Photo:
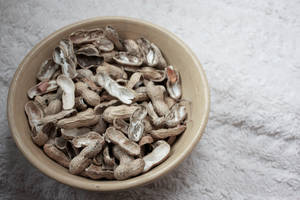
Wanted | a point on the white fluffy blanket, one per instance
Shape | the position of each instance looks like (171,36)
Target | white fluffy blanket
(250,51)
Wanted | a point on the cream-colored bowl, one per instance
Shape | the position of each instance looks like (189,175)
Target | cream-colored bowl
(194,84)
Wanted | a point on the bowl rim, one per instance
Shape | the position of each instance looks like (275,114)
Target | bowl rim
(119,185)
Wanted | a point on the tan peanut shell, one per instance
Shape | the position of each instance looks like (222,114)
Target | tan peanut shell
(85,118)
(118,138)
(56,155)
(89,96)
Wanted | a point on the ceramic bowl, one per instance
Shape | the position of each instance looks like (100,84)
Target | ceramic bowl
(195,89)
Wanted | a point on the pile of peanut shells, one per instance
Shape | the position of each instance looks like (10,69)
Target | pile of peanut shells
(106,107)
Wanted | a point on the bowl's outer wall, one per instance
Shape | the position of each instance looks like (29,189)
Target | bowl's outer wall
(194,83)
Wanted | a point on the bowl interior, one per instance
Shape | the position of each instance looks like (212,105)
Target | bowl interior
(177,54)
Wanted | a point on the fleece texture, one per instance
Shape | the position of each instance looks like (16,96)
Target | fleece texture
(250,51)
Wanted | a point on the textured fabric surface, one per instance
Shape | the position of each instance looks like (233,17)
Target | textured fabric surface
(250,52)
